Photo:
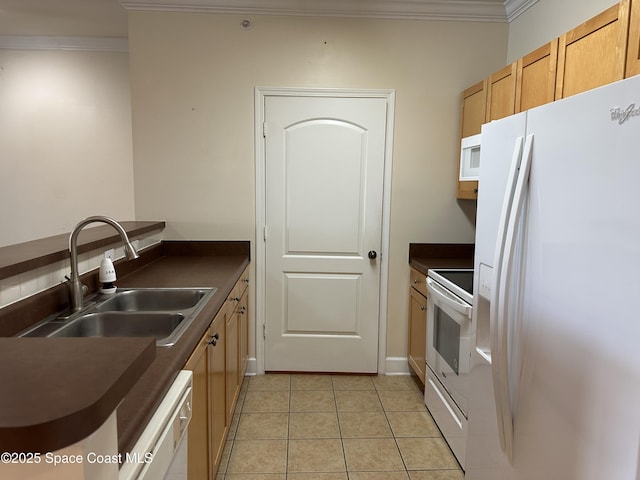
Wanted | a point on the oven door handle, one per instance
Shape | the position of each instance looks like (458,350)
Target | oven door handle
(448,299)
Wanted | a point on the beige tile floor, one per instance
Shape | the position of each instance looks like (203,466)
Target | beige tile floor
(334,427)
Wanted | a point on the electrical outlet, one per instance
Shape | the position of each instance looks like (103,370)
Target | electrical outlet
(110,254)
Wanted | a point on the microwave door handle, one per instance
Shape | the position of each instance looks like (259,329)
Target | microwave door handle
(447,299)
(495,318)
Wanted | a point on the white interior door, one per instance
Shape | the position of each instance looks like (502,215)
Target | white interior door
(324,171)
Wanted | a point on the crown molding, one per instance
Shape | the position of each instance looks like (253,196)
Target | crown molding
(94,44)
(452,10)
(515,8)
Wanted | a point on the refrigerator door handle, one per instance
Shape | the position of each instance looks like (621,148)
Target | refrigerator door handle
(502,388)
(494,318)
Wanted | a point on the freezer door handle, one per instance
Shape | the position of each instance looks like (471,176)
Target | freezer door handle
(500,314)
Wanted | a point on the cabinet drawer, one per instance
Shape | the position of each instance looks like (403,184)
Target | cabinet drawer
(418,281)
(244,281)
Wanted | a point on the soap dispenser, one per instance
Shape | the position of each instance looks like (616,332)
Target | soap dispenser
(107,276)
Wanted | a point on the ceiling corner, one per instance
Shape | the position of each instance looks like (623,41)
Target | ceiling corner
(515,8)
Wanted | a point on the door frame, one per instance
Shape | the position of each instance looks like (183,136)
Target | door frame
(260,195)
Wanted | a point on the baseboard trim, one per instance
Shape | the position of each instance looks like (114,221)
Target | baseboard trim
(252,367)
(397,366)
(393,366)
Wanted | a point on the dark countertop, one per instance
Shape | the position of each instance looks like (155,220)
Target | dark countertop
(423,256)
(221,272)
(41,407)
(172,264)
(22,257)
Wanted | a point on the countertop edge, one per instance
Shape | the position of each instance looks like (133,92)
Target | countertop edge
(147,382)
(104,389)
(22,257)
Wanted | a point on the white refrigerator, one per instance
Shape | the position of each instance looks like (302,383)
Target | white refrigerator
(555,378)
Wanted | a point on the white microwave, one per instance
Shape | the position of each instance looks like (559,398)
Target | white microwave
(470,158)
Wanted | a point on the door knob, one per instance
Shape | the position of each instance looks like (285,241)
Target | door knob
(372,254)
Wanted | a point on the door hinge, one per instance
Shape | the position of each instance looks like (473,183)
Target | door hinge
(264,330)
(264,129)
(264,233)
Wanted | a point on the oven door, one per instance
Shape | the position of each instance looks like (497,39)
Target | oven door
(449,341)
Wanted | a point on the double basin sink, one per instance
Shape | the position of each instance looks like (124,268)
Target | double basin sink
(163,313)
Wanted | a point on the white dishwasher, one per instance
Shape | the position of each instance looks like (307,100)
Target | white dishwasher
(161,450)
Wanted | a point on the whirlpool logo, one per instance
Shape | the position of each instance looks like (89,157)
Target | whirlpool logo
(621,115)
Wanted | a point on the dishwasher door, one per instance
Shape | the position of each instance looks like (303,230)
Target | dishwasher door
(161,450)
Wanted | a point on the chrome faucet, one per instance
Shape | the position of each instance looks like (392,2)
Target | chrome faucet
(77,290)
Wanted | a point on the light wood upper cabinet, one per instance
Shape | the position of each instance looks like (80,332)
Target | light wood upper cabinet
(536,77)
(501,93)
(633,45)
(594,53)
(472,113)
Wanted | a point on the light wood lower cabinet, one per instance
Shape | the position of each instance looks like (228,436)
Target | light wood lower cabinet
(218,364)
(418,324)
(208,425)
(237,341)
(232,370)
(198,452)
(218,423)
(243,325)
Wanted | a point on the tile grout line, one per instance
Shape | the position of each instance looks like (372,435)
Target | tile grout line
(335,403)
(340,431)
(286,456)
(393,434)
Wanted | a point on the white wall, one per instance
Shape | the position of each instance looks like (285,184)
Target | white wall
(548,19)
(193,79)
(65,141)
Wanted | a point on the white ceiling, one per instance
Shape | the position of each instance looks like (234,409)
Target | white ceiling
(108,18)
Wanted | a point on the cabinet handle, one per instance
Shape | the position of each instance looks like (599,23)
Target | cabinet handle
(242,310)
(246,280)
(415,282)
(214,340)
(235,299)
(423,308)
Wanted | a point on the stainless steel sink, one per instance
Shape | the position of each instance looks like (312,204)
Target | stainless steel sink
(118,324)
(152,299)
(163,313)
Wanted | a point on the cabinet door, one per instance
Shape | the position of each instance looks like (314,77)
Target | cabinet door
(418,280)
(501,93)
(217,390)
(536,77)
(472,113)
(594,53)
(232,333)
(417,333)
(474,101)
(243,336)
(198,433)
(633,44)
